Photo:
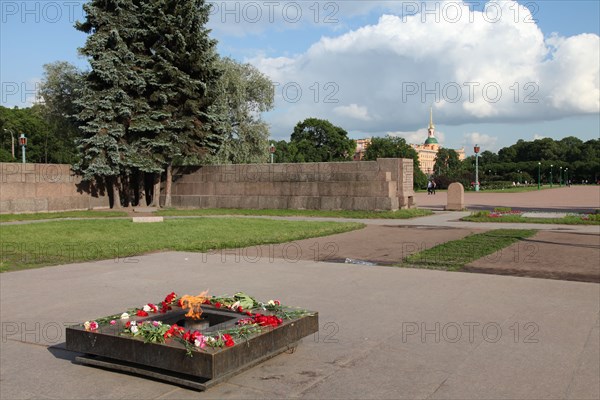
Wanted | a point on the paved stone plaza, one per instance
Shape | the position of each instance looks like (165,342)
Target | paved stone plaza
(575,198)
(385,332)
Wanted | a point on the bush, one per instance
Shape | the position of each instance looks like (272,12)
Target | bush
(496,185)
(594,217)
(502,209)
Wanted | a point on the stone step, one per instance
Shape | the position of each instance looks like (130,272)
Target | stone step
(144,209)
(147,219)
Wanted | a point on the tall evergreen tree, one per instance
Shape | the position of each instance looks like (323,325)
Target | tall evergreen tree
(106,102)
(146,102)
(183,81)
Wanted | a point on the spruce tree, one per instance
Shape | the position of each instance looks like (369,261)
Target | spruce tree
(146,103)
(106,104)
(181,83)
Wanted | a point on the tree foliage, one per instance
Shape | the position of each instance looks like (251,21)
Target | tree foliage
(31,122)
(243,94)
(60,86)
(396,147)
(318,140)
(519,162)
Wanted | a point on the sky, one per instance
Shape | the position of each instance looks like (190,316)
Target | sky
(493,72)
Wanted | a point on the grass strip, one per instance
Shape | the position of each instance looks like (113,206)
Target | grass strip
(59,242)
(568,220)
(400,214)
(513,189)
(62,214)
(453,255)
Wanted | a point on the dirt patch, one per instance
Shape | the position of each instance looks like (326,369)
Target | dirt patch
(552,255)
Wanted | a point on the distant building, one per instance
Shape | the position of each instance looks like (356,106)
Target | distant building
(426,151)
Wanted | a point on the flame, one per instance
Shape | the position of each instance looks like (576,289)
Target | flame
(194,303)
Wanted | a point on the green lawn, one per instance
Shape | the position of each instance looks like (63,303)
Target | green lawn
(568,220)
(400,214)
(60,242)
(453,255)
(63,214)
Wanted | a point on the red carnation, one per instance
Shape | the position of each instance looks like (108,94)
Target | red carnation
(218,305)
(240,309)
(165,307)
(228,340)
(170,297)
(142,313)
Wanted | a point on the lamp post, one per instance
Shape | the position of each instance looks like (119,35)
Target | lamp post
(272,151)
(551,174)
(560,176)
(12,142)
(539,174)
(519,171)
(567,176)
(23,143)
(476,149)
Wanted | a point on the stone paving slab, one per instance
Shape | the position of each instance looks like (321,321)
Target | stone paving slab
(553,255)
(367,346)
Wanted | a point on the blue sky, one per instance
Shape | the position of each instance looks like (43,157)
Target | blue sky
(494,72)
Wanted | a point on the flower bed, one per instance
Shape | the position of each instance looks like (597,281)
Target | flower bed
(198,336)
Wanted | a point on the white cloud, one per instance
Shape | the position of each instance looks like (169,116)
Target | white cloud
(485,141)
(536,136)
(418,137)
(474,69)
(353,111)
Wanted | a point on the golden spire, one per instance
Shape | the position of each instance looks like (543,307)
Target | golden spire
(431,126)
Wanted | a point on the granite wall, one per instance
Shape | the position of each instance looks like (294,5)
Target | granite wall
(385,184)
(45,187)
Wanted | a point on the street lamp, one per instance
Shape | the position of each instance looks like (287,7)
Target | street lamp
(551,174)
(539,174)
(560,177)
(272,151)
(23,143)
(567,176)
(476,149)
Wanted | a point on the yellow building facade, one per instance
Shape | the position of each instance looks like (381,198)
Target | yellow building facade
(428,150)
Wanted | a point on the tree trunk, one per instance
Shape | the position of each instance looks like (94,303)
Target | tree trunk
(141,184)
(156,190)
(168,185)
(116,189)
(125,190)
